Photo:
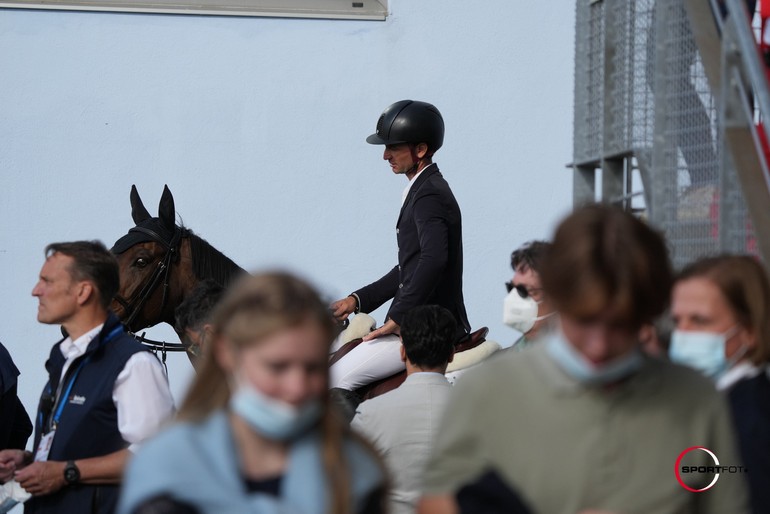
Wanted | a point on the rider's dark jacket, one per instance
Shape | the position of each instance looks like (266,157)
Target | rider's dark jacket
(88,426)
(430,254)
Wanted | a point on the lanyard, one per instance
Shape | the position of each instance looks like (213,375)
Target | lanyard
(66,393)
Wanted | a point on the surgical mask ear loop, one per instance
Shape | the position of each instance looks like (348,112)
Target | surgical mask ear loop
(742,351)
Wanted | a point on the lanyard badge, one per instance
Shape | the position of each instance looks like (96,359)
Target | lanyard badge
(48,403)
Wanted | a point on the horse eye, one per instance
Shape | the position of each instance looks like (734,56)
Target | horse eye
(140,263)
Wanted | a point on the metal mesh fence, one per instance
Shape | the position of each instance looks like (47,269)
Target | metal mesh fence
(641,57)
(589,80)
(641,92)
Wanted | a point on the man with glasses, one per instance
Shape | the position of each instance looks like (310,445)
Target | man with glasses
(526,308)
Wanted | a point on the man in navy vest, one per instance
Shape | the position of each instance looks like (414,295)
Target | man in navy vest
(105,394)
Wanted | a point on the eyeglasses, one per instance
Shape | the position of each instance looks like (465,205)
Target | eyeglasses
(521,289)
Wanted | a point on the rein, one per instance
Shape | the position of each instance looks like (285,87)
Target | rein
(161,273)
(160,346)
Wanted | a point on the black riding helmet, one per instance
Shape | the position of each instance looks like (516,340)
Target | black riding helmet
(410,121)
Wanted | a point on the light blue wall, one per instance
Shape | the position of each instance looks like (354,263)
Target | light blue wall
(258,127)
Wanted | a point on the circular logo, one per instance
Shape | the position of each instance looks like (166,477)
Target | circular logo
(679,461)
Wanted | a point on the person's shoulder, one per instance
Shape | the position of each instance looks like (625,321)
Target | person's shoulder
(179,438)
(681,382)
(672,372)
(128,341)
(434,181)
(8,370)
(376,405)
(181,455)
(508,358)
(4,355)
(502,371)
(750,392)
(365,465)
(125,345)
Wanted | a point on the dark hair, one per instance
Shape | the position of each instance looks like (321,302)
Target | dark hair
(530,255)
(197,308)
(744,285)
(604,260)
(92,262)
(428,334)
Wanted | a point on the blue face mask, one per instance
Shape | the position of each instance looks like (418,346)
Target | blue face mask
(273,418)
(574,364)
(704,351)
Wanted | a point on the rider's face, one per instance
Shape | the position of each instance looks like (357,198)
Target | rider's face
(289,365)
(399,157)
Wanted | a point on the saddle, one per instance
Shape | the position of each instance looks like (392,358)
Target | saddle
(382,386)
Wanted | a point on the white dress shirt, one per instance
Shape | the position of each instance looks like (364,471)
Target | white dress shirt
(741,371)
(141,393)
(409,185)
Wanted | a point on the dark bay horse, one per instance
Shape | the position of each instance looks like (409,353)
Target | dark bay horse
(160,263)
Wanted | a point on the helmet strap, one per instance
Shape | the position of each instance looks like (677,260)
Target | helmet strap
(415,159)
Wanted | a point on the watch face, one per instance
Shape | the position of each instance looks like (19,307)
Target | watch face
(71,473)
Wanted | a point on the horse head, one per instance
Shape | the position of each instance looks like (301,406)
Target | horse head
(150,280)
(161,263)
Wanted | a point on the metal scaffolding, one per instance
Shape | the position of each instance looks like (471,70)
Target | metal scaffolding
(647,128)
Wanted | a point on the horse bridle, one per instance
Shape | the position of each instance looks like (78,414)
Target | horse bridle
(160,274)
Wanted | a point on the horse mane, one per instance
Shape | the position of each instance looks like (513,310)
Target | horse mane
(208,262)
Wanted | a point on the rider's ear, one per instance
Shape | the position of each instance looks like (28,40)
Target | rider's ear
(166,211)
(421,150)
(403,353)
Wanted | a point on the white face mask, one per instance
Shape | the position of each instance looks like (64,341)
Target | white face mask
(521,313)
(273,418)
(575,364)
(704,351)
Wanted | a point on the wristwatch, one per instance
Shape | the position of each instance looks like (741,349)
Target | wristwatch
(71,473)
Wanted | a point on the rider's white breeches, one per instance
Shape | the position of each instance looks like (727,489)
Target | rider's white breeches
(367,362)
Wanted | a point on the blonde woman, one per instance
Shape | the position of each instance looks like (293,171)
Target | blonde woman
(256,433)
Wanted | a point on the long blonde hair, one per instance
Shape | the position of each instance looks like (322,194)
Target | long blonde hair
(255,307)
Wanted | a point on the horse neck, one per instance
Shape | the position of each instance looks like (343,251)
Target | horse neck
(198,261)
(209,263)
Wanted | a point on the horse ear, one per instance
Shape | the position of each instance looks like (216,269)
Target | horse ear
(138,211)
(166,211)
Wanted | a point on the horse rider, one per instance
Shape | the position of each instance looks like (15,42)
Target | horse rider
(430,249)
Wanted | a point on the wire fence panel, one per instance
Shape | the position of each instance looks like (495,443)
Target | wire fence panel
(641,92)
(589,81)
